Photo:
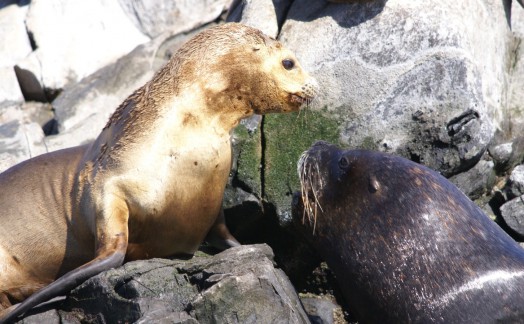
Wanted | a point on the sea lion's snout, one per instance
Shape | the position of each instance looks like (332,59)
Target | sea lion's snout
(307,93)
(310,88)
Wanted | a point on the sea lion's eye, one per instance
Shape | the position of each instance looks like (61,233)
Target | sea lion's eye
(288,64)
(343,163)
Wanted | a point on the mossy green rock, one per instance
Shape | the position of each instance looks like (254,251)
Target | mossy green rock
(266,155)
(286,137)
(247,148)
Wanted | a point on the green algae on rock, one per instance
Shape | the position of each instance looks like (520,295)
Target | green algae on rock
(286,136)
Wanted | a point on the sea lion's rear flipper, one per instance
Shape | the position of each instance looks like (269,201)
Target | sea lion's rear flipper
(67,282)
(112,242)
(219,236)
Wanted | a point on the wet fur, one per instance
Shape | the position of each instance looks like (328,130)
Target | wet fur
(151,185)
(404,243)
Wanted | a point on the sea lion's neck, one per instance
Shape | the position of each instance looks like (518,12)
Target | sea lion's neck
(200,106)
(170,109)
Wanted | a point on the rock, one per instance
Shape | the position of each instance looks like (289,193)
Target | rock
(507,155)
(153,18)
(515,94)
(83,109)
(266,15)
(14,41)
(502,153)
(477,181)
(40,113)
(410,78)
(14,46)
(416,92)
(320,311)
(20,138)
(75,38)
(240,285)
(515,185)
(49,317)
(9,88)
(513,214)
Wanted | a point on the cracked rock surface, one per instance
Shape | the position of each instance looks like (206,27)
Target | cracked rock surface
(240,285)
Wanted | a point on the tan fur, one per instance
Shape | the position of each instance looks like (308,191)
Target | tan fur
(151,184)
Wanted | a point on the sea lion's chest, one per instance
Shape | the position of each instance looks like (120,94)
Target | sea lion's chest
(175,193)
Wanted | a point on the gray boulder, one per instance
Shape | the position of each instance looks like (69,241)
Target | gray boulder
(513,214)
(74,38)
(515,184)
(14,41)
(508,154)
(14,46)
(9,88)
(405,78)
(21,137)
(240,285)
(515,118)
(266,15)
(153,18)
(83,108)
(322,311)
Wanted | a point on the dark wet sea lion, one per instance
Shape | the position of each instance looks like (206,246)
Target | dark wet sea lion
(151,185)
(404,243)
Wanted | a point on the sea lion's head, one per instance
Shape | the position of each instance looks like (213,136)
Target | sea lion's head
(241,69)
(354,183)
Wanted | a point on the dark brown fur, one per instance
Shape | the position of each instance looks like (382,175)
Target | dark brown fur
(404,243)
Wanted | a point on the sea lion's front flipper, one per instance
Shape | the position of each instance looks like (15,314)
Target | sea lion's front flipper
(219,236)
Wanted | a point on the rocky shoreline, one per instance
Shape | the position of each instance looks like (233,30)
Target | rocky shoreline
(438,82)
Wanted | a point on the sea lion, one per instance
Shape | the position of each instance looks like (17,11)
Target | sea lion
(151,184)
(404,243)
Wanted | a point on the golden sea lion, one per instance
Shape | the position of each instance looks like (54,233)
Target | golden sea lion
(151,184)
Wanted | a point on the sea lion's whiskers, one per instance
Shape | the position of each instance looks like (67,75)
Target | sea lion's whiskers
(315,196)
(301,170)
(310,181)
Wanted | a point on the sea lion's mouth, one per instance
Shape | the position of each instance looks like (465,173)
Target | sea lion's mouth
(301,99)
(307,92)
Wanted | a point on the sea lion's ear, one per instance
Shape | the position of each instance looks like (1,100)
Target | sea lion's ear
(256,48)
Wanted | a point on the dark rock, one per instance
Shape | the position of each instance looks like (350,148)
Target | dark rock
(477,181)
(239,285)
(513,214)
